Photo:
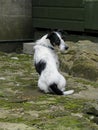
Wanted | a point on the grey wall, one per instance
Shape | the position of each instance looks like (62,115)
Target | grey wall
(16,20)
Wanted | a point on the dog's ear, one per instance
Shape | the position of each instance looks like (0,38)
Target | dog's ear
(62,33)
(54,39)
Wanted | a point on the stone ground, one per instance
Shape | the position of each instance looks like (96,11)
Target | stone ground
(24,107)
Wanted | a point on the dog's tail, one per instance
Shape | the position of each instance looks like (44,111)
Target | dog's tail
(53,87)
(68,92)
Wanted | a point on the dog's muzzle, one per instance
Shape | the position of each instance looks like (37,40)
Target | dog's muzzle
(66,47)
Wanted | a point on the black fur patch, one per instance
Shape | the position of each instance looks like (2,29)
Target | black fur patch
(55,89)
(40,66)
(54,39)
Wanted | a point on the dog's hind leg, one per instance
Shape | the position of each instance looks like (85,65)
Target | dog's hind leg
(42,86)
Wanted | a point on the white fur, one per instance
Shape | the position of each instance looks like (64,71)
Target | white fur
(50,74)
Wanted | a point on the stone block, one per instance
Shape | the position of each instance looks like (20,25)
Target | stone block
(28,48)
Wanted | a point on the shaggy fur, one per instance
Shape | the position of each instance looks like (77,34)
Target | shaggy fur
(47,64)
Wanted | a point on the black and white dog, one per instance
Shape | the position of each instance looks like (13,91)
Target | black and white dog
(47,64)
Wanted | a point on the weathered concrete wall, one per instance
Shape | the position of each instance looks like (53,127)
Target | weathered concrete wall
(16,19)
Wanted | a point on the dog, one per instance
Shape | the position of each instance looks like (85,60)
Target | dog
(47,64)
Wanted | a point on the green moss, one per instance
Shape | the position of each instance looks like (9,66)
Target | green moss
(66,122)
(86,82)
(19,95)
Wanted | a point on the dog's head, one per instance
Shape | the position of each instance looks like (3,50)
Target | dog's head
(57,39)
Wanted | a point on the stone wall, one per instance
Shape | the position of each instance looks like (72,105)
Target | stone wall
(16,20)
